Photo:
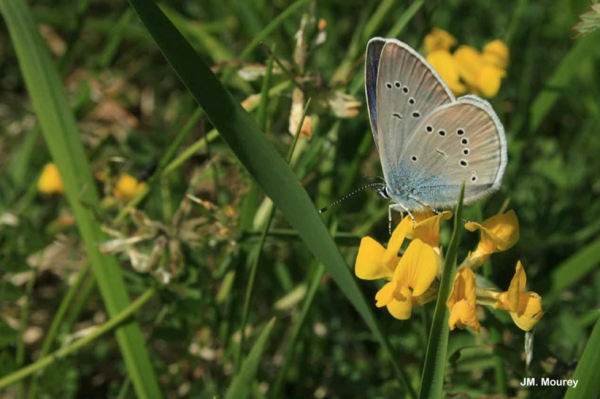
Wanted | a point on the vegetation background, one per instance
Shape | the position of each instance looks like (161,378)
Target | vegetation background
(195,244)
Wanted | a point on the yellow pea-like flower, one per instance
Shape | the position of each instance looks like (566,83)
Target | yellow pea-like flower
(462,301)
(496,53)
(438,39)
(443,62)
(50,181)
(127,187)
(525,307)
(498,234)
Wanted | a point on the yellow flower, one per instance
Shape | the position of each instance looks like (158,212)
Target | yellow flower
(438,40)
(489,79)
(50,181)
(498,233)
(445,65)
(468,61)
(496,53)
(427,226)
(462,301)
(480,72)
(127,187)
(525,307)
(413,276)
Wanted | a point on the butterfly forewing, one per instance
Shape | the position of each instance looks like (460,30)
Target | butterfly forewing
(463,141)
(371,65)
(408,89)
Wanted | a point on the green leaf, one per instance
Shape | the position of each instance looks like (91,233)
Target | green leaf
(561,77)
(62,137)
(587,369)
(262,161)
(573,269)
(240,386)
(432,381)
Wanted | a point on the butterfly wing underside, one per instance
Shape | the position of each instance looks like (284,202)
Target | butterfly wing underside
(462,141)
(371,66)
(408,89)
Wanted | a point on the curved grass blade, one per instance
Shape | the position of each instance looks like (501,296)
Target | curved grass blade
(240,386)
(262,161)
(573,270)
(62,137)
(587,369)
(437,347)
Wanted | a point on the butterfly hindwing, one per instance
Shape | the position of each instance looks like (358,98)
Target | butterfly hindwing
(462,141)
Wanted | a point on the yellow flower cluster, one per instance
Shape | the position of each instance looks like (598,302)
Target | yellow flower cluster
(125,189)
(413,277)
(467,70)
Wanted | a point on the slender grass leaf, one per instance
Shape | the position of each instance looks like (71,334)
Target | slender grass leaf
(437,347)
(62,137)
(587,369)
(569,66)
(574,269)
(262,161)
(240,386)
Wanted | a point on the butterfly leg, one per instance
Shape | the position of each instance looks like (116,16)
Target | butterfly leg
(400,209)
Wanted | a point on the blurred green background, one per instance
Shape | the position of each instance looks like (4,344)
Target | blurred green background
(130,106)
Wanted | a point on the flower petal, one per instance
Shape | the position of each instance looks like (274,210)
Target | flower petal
(386,294)
(438,39)
(498,233)
(464,288)
(369,261)
(530,311)
(401,309)
(390,258)
(497,52)
(469,62)
(489,79)
(463,315)
(516,288)
(444,64)
(428,228)
(417,268)
(50,181)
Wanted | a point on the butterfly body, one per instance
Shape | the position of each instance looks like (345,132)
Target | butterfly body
(429,141)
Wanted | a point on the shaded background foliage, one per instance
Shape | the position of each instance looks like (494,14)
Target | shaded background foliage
(130,104)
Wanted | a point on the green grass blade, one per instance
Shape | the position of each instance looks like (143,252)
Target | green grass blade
(240,386)
(62,137)
(437,347)
(569,66)
(573,269)
(65,351)
(261,160)
(587,369)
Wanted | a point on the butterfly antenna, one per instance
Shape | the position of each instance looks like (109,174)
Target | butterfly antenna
(345,197)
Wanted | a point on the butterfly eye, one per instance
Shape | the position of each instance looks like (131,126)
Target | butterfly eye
(460,131)
(388,85)
(463,163)
(442,132)
(429,129)
(466,151)
(465,141)
(397,84)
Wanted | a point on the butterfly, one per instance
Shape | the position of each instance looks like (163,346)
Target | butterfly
(429,141)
